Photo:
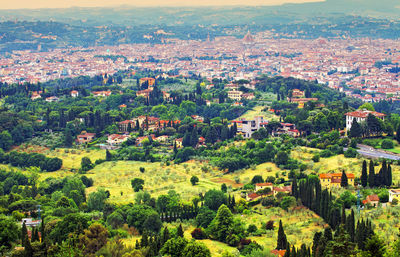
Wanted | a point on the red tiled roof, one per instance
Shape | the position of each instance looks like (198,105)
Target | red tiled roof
(364,114)
(263,184)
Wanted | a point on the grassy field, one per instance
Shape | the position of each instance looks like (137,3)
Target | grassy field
(159,179)
(258,111)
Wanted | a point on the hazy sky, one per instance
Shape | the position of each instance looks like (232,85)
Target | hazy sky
(18,4)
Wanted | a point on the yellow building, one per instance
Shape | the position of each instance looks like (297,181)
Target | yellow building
(334,179)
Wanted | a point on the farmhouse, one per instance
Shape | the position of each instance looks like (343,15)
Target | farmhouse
(334,179)
(373,200)
(394,194)
(116,139)
(85,137)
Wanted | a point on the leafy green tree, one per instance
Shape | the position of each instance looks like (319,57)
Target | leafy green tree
(194,180)
(6,140)
(374,247)
(281,241)
(86,164)
(137,184)
(96,200)
(224,188)
(221,226)
(340,245)
(8,231)
(71,223)
(212,135)
(281,158)
(93,239)
(174,247)
(153,223)
(367,106)
(288,202)
(213,199)
(204,217)
(195,249)
(257,179)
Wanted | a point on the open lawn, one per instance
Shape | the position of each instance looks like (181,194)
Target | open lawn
(258,111)
(159,179)
(299,224)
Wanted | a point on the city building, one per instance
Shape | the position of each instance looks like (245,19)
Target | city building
(248,127)
(235,95)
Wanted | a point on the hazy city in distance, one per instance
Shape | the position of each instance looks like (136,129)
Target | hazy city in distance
(259,128)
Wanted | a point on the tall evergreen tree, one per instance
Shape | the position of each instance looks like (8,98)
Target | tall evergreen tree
(364,174)
(344,181)
(389,176)
(355,130)
(24,234)
(282,240)
(371,175)
(194,138)
(180,231)
(68,140)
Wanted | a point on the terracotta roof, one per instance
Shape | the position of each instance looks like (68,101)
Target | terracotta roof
(279,253)
(373,198)
(264,184)
(364,114)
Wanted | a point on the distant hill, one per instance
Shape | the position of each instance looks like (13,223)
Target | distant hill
(283,14)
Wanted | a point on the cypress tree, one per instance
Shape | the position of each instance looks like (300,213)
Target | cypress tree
(108,155)
(355,130)
(343,218)
(295,192)
(28,247)
(180,231)
(350,223)
(194,138)
(371,175)
(344,181)
(364,174)
(144,242)
(293,252)
(287,253)
(316,241)
(389,175)
(24,234)
(35,235)
(137,245)
(282,240)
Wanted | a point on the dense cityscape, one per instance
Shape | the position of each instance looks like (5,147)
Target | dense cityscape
(247,131)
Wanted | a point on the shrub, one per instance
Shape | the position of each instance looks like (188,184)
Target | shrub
(387,144)
(198,234)
(316,158)
(350,153)
(269,225)
(252,228)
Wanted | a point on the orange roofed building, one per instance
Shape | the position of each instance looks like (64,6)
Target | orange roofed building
(334,179)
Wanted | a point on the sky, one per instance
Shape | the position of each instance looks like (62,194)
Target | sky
(34,4)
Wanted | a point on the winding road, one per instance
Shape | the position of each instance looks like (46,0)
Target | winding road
(375,153)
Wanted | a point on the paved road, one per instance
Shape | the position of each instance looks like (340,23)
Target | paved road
(374,153)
